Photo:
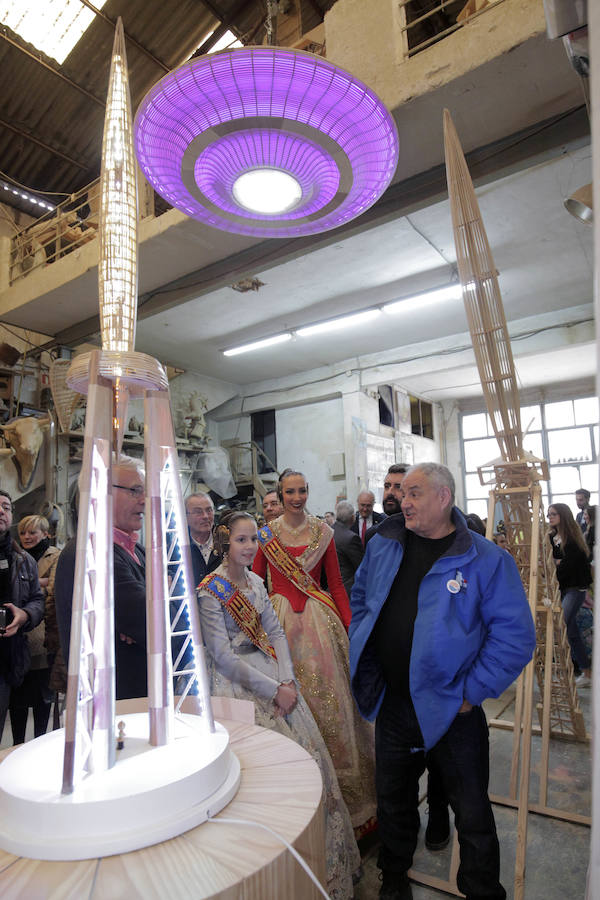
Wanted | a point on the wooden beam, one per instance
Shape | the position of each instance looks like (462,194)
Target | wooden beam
(42,62)
(227,23)
(44,146)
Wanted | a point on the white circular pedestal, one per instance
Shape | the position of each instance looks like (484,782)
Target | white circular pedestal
(150,795)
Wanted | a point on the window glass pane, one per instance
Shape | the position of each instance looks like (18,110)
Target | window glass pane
(596,447)
(569,499)
(479,452)
(474,488)
(564,479)
(474,426)
(533,444)
(559,415)
(570,445)
(586,411)
(531,419)
(479,507)
(589,477)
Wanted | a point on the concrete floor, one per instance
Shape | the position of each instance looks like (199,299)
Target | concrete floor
(557,851)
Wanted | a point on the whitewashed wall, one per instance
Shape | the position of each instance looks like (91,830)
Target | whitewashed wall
(306,437)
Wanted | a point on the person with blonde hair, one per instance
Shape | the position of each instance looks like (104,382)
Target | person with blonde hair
(35,690)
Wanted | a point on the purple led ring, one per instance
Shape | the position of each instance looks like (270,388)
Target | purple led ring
(215,174)
(196,147)
(281,84)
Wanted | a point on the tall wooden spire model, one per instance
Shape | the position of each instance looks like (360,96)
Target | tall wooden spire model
(122,802)
(515,480)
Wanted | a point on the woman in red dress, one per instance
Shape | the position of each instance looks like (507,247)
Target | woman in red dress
(295,549)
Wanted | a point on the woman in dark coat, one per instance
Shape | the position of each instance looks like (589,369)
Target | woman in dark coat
(573,570)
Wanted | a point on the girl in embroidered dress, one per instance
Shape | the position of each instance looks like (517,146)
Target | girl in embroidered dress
(294,550)
(248,658)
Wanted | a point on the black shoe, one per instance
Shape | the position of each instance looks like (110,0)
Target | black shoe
(395,886)
(437,834)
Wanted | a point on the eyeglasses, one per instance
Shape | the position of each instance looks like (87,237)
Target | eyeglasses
(136,491)
(6,507)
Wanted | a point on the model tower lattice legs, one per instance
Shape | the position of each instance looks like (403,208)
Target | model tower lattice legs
(110,377)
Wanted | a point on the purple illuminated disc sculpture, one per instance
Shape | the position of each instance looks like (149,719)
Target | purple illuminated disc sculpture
(218,117)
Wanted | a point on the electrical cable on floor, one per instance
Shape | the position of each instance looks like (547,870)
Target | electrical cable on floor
(295,854)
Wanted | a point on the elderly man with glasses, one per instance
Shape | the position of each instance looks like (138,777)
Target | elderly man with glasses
(21,607)
(128,496)
(200,514)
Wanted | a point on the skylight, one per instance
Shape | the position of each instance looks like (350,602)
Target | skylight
(227,42)
(52,26)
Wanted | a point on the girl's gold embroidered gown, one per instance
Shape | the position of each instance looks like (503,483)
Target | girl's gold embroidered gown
(318,642)
(237,668)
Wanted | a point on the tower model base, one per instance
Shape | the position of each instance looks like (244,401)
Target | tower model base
(150,795)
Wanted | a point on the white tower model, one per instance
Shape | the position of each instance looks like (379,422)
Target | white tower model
(173,768)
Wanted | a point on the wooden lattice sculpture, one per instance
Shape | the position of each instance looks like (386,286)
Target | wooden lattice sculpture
(515,480)
(65,398)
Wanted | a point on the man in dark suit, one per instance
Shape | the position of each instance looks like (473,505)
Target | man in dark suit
(582,499)
(200,514)
(347,544)
(365,517)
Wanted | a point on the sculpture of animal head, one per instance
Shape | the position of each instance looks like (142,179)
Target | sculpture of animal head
(25,436)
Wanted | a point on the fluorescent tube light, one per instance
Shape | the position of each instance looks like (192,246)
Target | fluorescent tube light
(258,345)
(25,196)
(338,324)
(416,301)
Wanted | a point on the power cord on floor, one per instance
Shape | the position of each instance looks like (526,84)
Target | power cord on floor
(295,854)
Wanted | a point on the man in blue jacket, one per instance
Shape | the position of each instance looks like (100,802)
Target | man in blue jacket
(440,621)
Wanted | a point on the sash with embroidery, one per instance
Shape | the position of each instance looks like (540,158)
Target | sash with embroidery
(240,609)
(291,568)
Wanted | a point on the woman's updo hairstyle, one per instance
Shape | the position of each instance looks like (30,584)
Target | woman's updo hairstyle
(286,474)
(223,530)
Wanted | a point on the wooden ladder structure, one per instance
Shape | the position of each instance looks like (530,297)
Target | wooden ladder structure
(516,480)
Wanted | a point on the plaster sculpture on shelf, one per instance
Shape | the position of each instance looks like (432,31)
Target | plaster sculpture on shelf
(135,427)
(78,417)
(25,437)
(191,422)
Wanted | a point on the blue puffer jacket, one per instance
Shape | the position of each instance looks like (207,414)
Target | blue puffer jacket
(466,645)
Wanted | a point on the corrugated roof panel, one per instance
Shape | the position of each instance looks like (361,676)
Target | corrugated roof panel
(36,102)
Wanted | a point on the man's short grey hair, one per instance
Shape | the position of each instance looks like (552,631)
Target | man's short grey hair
(129,462)
(366,491)
(202,495)
(344,512)
(440,475)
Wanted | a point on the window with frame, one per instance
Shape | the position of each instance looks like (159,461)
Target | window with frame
(565,433)
(421,417)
